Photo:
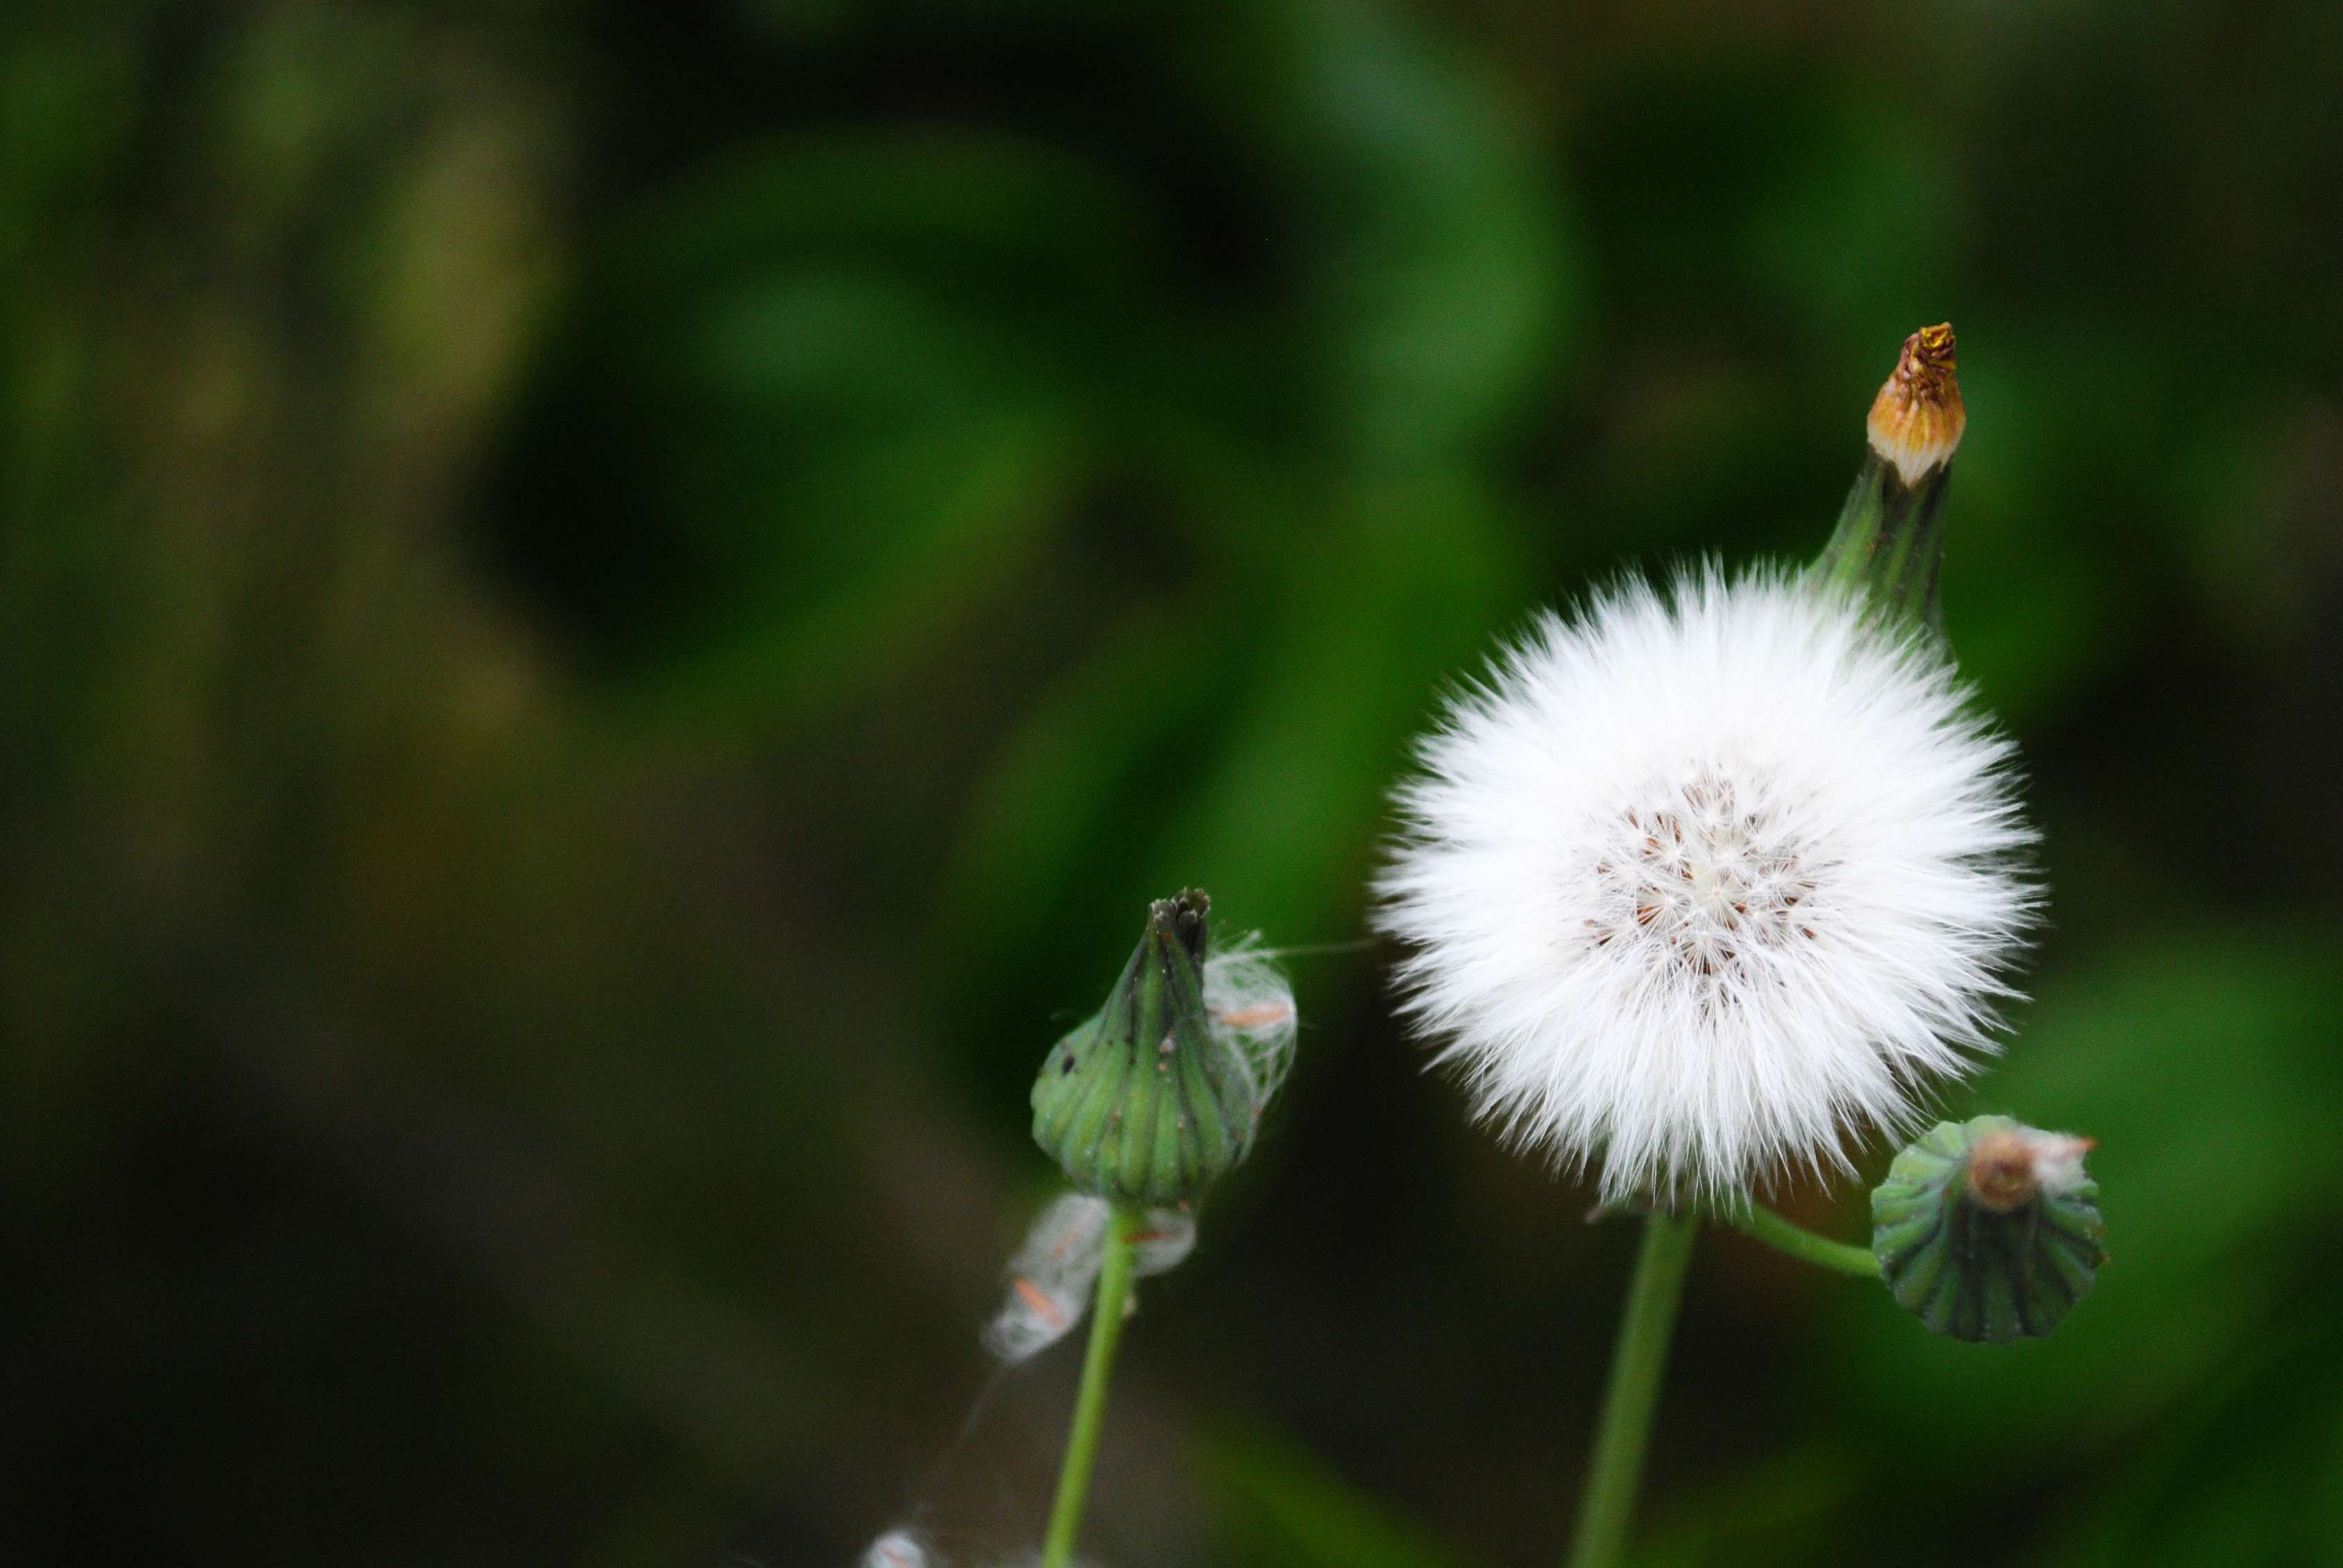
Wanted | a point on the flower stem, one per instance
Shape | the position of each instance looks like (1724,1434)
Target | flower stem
(1090,1403)
(1781,1235)
(1637,1367)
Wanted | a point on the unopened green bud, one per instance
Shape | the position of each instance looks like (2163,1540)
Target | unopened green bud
(1888,543)
(1989,1229)
(1156,1096)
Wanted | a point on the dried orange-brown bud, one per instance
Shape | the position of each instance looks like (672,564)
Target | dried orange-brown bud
(2009,1167)
(2001,1171)
(1888,541)
(1917,418)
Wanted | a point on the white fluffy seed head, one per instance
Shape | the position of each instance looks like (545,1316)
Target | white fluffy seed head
(1704,879)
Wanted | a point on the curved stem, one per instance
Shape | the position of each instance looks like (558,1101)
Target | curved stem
(1637,1368)
(1089,1404)
(1781,1235)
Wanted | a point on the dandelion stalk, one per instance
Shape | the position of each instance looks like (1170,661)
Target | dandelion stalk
(1638,1366)
(1761,1223)
(1089,1404)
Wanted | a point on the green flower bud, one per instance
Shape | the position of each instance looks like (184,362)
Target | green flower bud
(1989,1229)
(1155,1097)
(1888,543)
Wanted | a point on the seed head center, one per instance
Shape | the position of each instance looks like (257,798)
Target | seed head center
(1699,874)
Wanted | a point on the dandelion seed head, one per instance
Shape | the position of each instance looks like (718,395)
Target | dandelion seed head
(1705,878)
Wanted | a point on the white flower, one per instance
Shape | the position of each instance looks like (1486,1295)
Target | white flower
(1701,882)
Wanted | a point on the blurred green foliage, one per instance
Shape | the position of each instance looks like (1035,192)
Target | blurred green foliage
(609,614)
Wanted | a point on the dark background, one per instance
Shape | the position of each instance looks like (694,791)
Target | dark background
(609,614)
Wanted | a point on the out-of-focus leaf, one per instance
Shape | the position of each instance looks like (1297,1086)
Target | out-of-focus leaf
(1854,223)
(1443,283)
(2188,1473)
(833,393)
(2262,497)
(2037,602)
(945,517)
(1277,1507)
(1087,775)
(986,212)
(1395,603)
(1775,1510)
(64,116)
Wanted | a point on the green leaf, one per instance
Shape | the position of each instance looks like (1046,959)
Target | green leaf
(1442,283)
(838,391)
(1402,596)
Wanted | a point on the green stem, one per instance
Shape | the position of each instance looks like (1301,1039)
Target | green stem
(1778,1234)
(1090,1403)
(1889,541)
(1637,1367)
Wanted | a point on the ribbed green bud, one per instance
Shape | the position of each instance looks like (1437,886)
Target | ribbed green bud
(1989,1229)
(1146,1102)
(1888,543)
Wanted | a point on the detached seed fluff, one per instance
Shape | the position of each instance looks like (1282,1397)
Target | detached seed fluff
(1249,1010)
(900,1548)
(1706,879)
(1051,1277)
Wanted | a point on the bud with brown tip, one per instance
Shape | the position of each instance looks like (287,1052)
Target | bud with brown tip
(1157,1095)
(1917,418)
(2011,1166)
(1888,543)
(1989,1229)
